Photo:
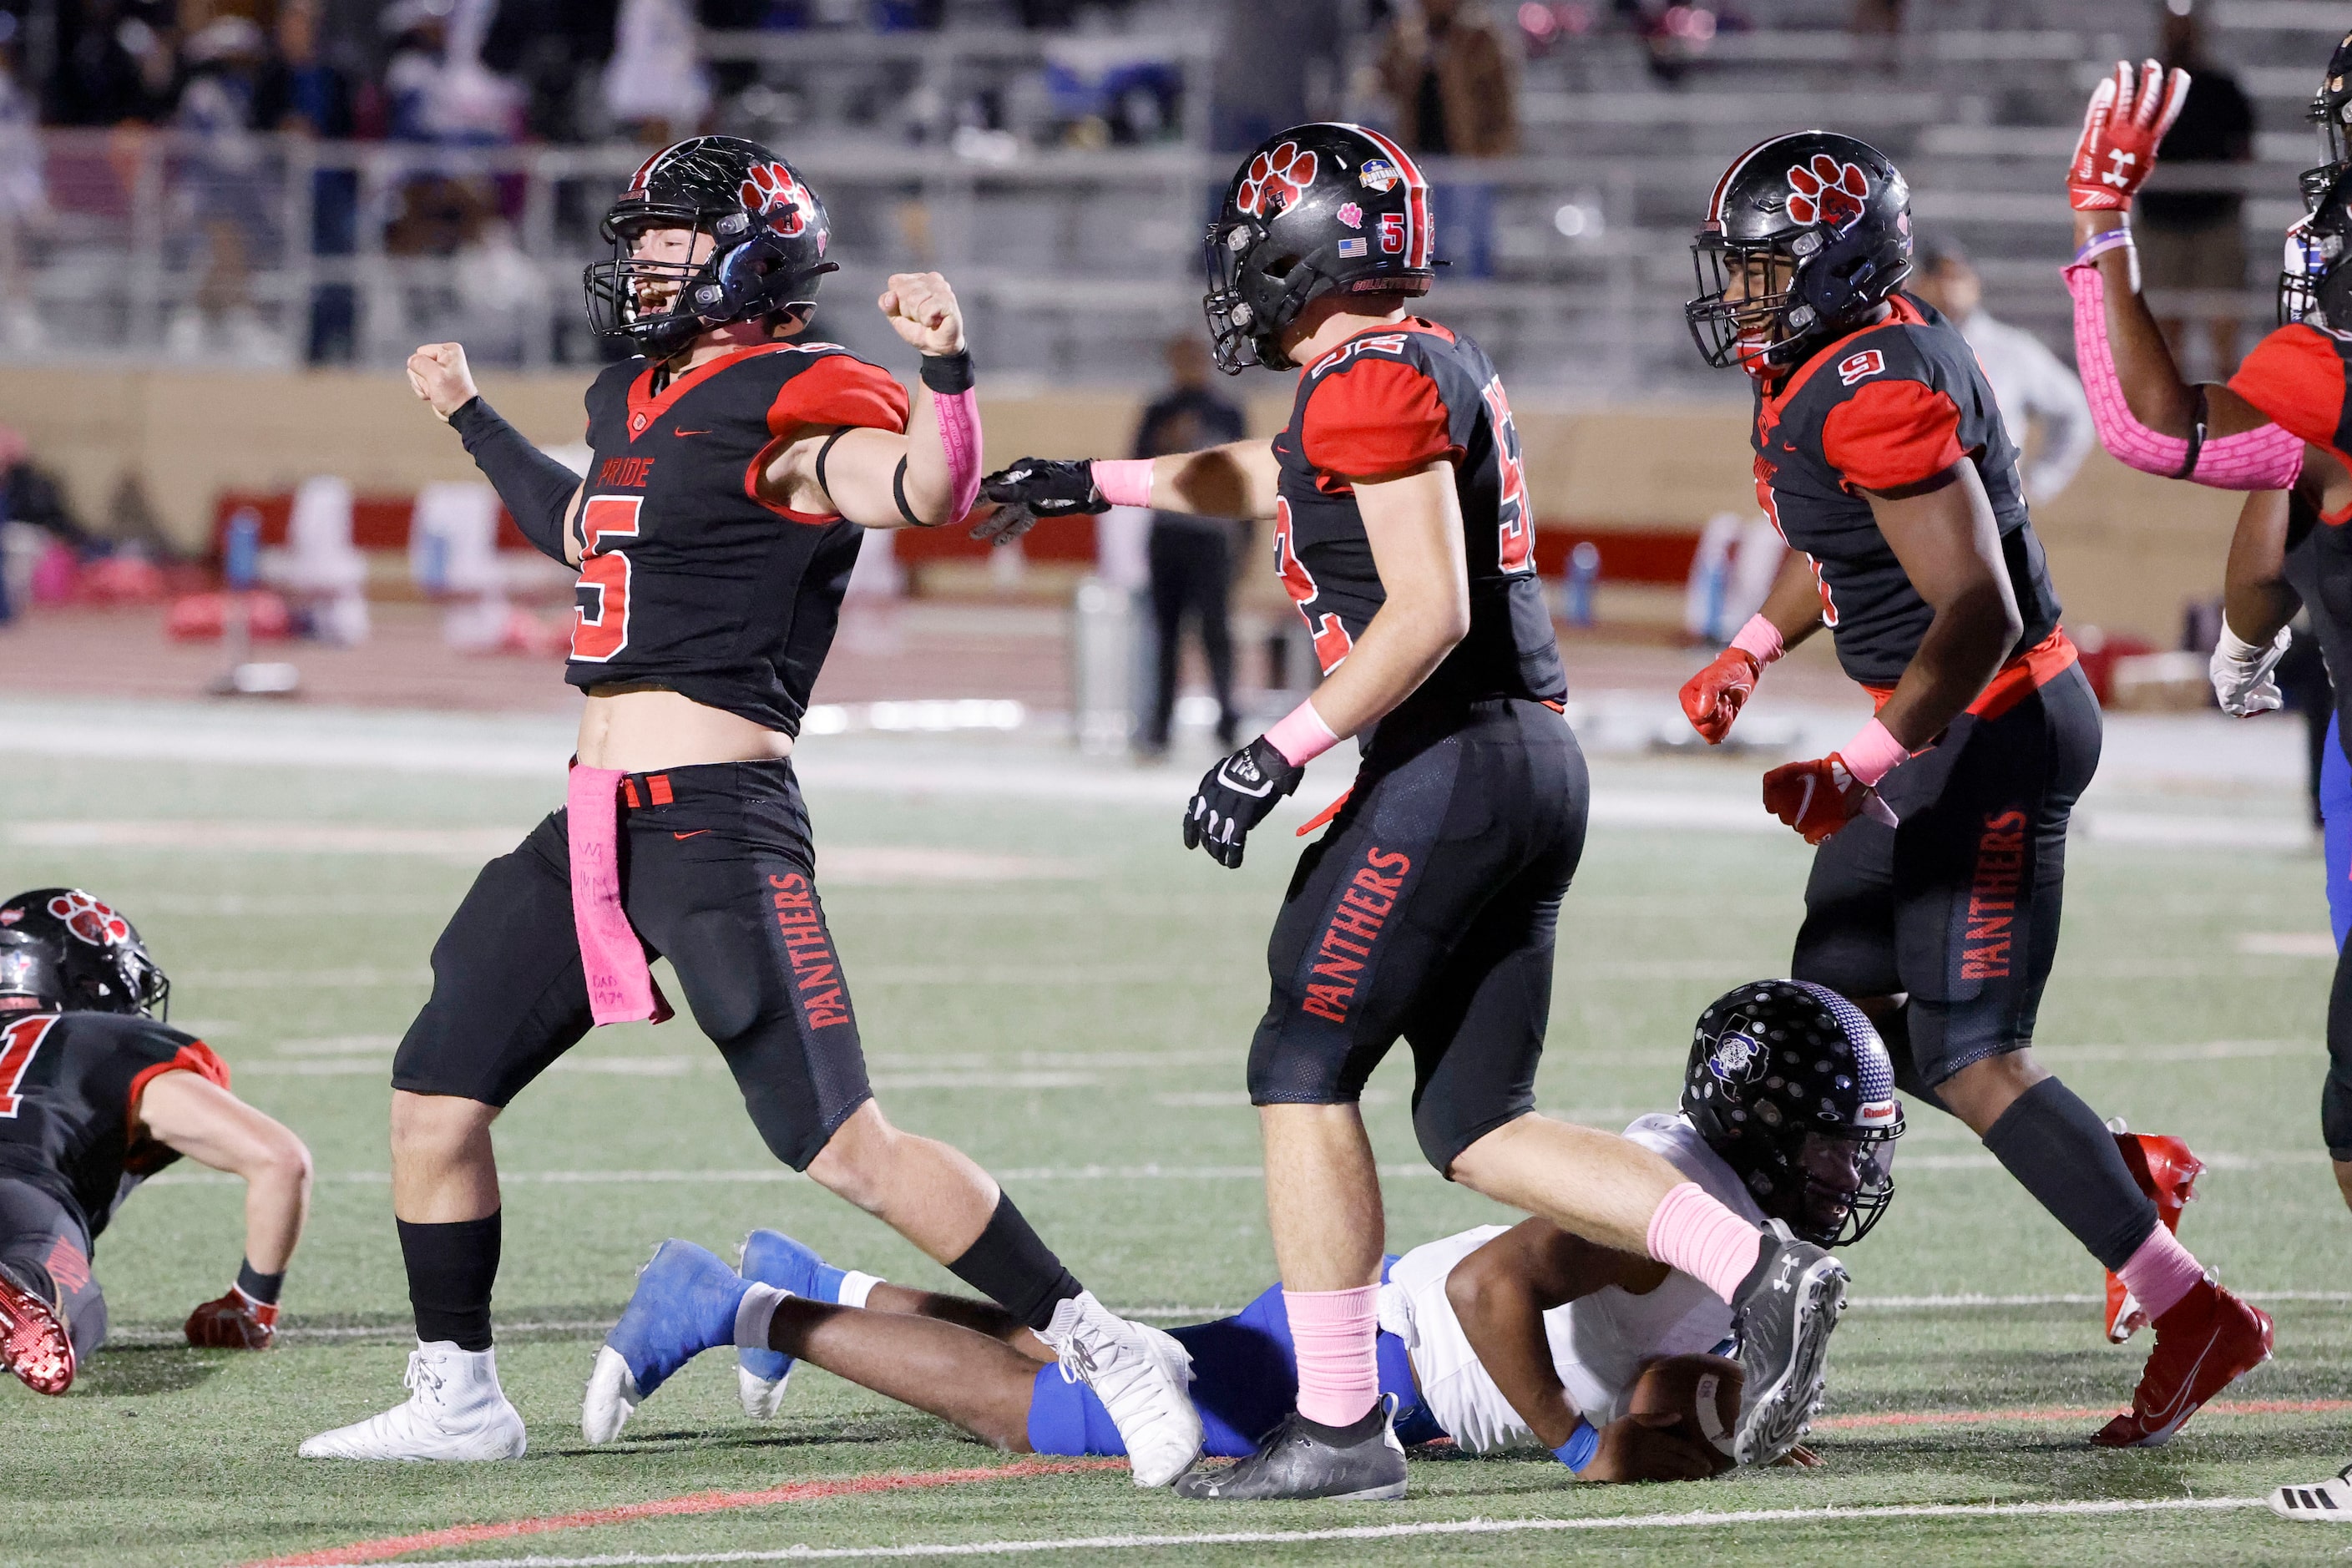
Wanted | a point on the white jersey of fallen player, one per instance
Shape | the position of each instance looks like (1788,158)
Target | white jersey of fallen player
(1598,1343)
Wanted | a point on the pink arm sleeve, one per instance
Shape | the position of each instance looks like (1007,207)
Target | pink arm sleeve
(1124,482)
(2265,458)
(959,416)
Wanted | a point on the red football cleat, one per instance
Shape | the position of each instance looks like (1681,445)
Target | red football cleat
(34,1343)
(2166,1171)
(2207,1340)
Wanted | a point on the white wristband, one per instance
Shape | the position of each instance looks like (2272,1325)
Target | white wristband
(2235,649)
(856,1289)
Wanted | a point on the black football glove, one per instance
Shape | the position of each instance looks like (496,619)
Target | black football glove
(1234,797)
(1033,488)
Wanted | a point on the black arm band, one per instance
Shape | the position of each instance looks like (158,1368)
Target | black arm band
(822,454)
(898,494)
(948,372)
(2196,437)
(537,489)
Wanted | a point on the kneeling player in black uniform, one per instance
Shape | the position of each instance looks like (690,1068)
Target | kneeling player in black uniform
(735,468)
(96,1095)
(1403,533)
(1933,901)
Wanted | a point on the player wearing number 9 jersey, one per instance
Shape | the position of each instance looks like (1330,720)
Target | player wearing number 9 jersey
(1935,895)
(734,468)
(1428,909)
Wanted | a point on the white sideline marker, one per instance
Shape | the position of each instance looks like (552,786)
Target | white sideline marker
(1366,1533)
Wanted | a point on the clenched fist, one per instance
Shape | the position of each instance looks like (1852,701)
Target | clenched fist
(439,374)
(922,310)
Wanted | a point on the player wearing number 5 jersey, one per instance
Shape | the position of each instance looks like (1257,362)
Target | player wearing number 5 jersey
(1935,895)
(1428,909)
(734,468)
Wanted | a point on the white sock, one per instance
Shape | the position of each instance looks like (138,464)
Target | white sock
(752,1315)
(856,1288)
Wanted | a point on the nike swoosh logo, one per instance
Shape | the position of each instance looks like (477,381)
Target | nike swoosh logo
(689,432)
(696,833)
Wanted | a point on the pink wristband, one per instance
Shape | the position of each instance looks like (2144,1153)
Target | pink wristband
(1759,639)
(1300,735)
(959,416)
(1124,482)
(1873,753)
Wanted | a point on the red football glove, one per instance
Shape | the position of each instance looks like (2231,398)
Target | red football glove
(2127,117)
(234,1322)
(1819,798)
(1713,698)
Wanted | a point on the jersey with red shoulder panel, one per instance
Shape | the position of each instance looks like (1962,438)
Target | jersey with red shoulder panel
(690,581)
(1388,402)
(1879,409)
(2301,376)
(70,1089)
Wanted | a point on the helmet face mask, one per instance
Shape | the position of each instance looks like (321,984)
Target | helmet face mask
(1743,298)
(761,237)
(1791,1086)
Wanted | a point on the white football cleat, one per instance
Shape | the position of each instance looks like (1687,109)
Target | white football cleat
(762,1398)
(1140,1375)
(612,1397)
(455,1411)
(2329,1502)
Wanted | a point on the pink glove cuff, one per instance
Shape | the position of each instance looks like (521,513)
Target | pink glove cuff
(2265,458)
(959,416)
(1300,735)
(1873,753)
(1759,639)
(1124,482)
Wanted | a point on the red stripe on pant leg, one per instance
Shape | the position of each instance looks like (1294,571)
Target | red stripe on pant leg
(672,1508)
(2067,1412)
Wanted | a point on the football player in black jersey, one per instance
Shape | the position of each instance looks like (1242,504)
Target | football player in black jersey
(736,465)
(1403,533)
(96,1095)
(1935,895)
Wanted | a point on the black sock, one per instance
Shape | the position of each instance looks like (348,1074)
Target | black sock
(2335,1091)
(262,1287)
(1367,1425)
(1012,1266)
(450,1269)
(2060,1152)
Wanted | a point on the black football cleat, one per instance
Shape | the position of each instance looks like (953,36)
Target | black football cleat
(1302,1458)
(1788,1306)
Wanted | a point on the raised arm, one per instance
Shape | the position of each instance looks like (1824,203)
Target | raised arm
(188,1112)
(1500,1293)
(540,494)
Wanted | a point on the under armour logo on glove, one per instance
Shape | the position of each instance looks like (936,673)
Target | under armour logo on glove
(2128,114)
(1235,796)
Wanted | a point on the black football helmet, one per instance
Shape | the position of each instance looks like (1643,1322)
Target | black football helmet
(60,948)
(1831,220)
(2313,286)
(1318,209)
(768,234)
(1792,1085)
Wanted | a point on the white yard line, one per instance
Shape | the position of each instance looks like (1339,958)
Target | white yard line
(1696,1521)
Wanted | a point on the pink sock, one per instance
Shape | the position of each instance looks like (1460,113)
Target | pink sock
(1694,1233)
(2161,1272)
(1337,1336)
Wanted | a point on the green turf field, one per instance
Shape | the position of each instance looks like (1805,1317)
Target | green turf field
(1079,1026)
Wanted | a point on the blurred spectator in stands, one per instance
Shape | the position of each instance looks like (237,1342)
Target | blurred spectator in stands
(1450,82)
(556,50)
(2194,242)
(24,194)
(1192,557)
(227,178)
(419,31)
(35,520)
(2041,400)
(656,84)
(1877,28)
(114,62)
(305,95)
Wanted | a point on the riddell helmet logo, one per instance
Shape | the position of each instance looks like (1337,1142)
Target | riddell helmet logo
(1827,191)
(1275,180)
(773,194)
(11,915)
(88,919)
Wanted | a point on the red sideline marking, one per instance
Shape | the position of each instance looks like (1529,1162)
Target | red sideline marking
(2048,1413)
(671,1507)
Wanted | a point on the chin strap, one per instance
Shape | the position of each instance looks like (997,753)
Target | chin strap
(2265,458)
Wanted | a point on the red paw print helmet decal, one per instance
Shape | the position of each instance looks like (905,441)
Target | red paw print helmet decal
(774,195)
(1277,179)
(1827,191)
(88,919)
